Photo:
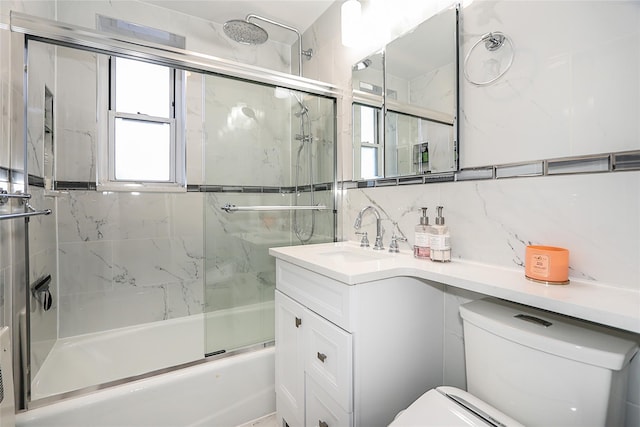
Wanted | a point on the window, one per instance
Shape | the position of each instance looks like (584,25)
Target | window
(366,137)
(141,122)
(142,146)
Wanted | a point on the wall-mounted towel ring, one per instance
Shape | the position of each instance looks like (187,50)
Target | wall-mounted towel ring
(493,42)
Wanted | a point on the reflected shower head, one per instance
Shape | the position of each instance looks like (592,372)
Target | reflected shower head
(245,32)
(361,65)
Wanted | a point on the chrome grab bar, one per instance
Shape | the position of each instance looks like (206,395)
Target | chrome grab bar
(4,198)
(233,208)
(25,214)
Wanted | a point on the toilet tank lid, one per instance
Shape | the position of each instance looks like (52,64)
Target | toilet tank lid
(562,336)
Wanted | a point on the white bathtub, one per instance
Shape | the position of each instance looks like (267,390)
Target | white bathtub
(98,358)
(222,393)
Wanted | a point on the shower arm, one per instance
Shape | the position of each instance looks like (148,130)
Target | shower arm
(308,53)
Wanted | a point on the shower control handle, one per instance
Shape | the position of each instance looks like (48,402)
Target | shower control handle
(322,357)
(298,322)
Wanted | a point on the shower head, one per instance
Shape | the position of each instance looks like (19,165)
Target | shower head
(245,32)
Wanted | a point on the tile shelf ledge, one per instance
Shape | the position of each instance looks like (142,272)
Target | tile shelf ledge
(593,301)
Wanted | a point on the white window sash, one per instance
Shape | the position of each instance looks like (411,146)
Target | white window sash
(113,115)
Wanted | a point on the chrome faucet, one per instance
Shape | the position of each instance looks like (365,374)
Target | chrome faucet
(379,230)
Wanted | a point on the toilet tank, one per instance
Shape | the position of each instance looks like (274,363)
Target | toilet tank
(545,369)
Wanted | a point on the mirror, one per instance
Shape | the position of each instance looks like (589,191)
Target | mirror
(415,110)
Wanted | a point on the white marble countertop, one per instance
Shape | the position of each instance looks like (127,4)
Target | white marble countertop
(352,265)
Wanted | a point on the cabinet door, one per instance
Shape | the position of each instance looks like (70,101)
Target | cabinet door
(329,358)
(289,360)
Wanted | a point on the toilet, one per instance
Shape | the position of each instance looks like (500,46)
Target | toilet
(530,367)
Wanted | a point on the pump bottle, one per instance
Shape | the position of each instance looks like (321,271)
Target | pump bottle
(439,240)
(422,231)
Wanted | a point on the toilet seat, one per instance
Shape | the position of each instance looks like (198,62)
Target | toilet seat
(448,406)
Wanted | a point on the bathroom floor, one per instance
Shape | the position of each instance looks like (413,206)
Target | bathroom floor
(266,421)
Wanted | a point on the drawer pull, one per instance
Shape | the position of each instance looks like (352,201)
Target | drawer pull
(298,322)
(322,357)
(322,424)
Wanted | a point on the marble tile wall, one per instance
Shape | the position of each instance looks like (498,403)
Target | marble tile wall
(140,256)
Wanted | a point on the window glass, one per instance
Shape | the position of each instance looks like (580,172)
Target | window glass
(369,162)
(142,150)
(368,125)
(142,88)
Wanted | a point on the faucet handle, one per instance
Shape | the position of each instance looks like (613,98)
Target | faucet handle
(393,246)
(364,242)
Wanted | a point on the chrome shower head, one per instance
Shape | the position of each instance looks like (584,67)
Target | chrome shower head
(245,32)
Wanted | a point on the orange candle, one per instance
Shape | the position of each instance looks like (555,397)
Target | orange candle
(547,264)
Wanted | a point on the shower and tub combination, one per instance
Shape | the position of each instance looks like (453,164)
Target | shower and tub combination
(161,287)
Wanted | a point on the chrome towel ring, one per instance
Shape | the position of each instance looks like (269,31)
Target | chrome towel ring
(493,42)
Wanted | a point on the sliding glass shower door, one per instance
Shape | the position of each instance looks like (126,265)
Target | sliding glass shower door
(269,171)
(137,276)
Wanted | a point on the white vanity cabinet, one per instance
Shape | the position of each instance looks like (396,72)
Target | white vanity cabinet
(353,355)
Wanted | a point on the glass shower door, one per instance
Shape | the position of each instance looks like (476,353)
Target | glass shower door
(268,152)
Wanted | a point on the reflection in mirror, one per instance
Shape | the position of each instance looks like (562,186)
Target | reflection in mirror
(415,83)
(366,141)
(421,87)
(368,85)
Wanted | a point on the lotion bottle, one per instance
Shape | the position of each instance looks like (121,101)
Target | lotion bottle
(439,240)
(421,240)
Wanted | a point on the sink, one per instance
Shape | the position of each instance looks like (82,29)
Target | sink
(353,255)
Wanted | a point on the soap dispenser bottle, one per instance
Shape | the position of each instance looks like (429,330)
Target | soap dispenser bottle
(439,240)
(421,240)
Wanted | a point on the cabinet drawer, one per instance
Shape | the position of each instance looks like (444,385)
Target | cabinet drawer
(322,410)
(325,296)
(328,358)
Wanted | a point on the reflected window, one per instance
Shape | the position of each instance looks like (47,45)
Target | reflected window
(367,137)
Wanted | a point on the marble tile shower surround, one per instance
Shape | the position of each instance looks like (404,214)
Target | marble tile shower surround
(243,127)
(143,256)
(118,254)
(140,256)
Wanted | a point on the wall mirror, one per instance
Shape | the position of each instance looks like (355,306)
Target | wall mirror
(414,112)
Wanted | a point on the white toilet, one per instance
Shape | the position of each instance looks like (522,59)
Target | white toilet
(531,367)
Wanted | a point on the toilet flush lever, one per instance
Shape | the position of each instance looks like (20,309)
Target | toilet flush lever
(533,319)
(322,357)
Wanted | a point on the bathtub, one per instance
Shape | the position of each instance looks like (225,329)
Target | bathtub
(222,393)
(227,391)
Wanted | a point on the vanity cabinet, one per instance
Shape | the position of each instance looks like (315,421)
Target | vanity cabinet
(353,355)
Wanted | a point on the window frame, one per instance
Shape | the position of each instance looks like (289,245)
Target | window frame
(107,116)
(376,144)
